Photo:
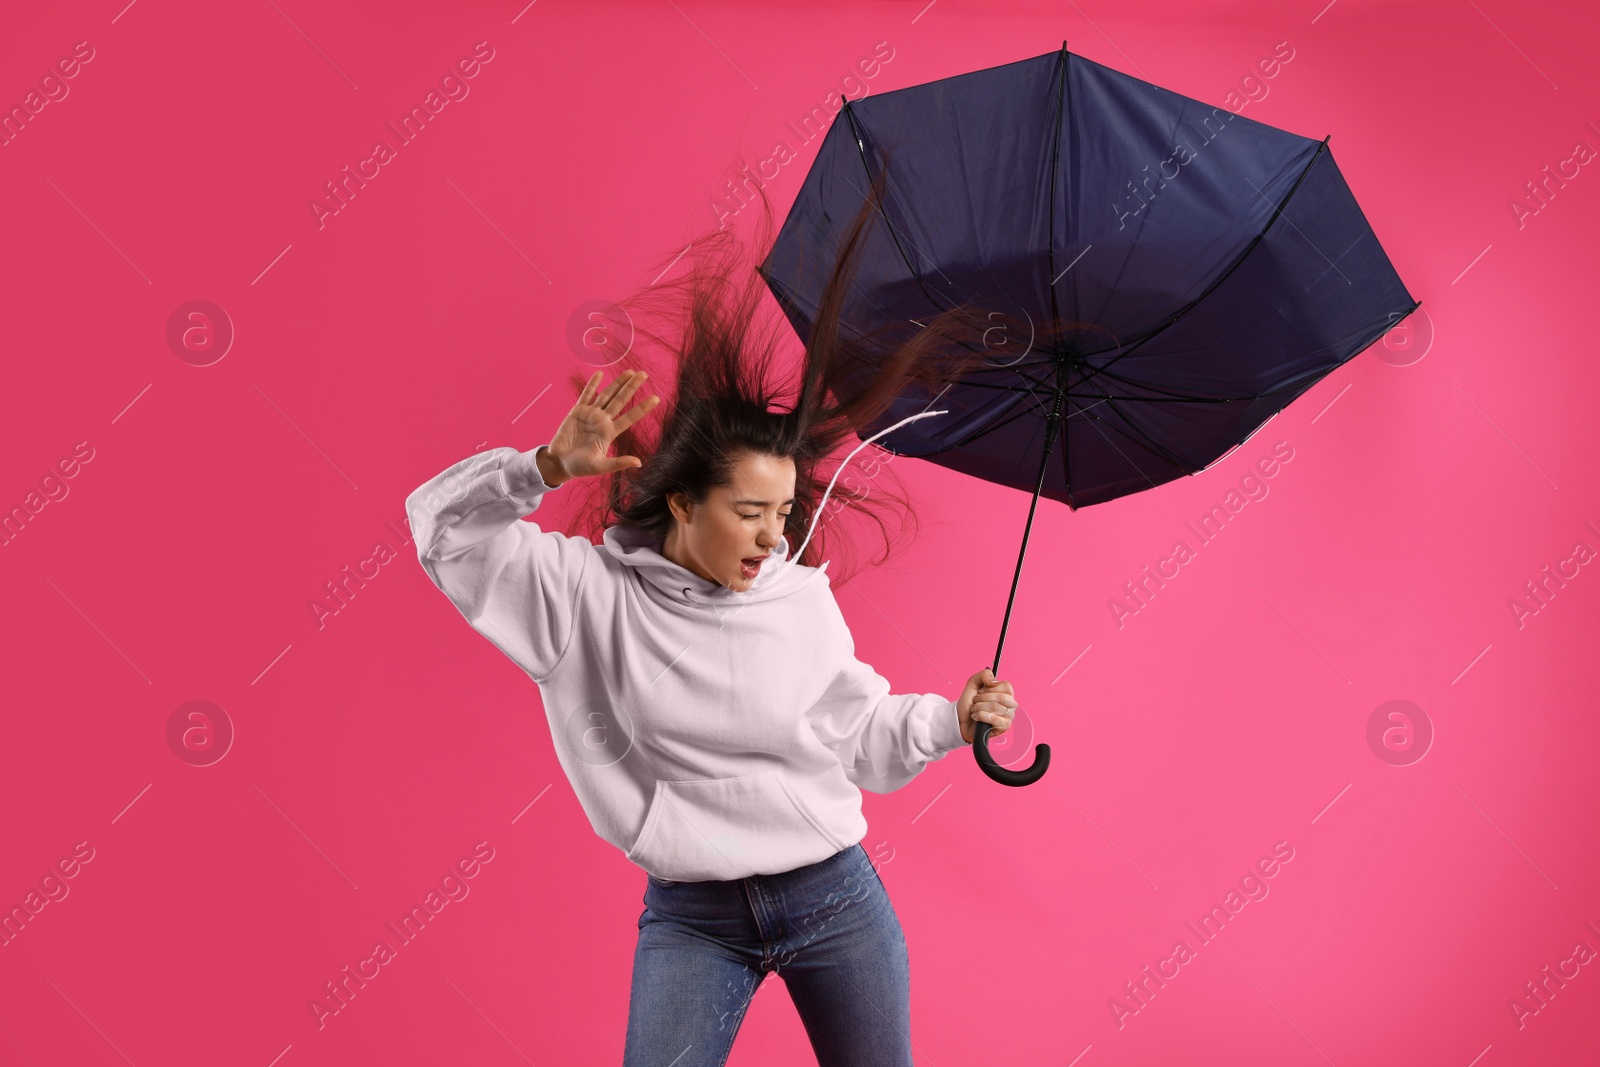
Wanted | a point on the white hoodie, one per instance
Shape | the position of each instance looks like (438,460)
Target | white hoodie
(708,733)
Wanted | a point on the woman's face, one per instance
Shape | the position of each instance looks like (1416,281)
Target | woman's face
(724,538)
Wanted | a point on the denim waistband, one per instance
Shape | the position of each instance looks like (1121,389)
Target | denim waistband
(787,890)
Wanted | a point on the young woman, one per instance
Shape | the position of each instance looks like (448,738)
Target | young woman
(699,680)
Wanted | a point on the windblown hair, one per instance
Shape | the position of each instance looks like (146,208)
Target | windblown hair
(724,332)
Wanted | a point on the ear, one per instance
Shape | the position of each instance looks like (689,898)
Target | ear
(678,504)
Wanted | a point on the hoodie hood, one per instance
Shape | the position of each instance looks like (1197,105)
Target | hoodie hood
(639,549)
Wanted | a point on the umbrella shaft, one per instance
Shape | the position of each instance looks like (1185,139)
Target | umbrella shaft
(1052,424)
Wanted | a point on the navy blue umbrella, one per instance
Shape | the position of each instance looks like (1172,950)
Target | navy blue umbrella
(1160,276)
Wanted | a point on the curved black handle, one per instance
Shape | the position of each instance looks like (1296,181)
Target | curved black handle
(980,750)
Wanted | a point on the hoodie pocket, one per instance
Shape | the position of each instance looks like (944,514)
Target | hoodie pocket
(720,829)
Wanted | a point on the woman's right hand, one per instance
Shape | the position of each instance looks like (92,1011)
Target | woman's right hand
(579,446)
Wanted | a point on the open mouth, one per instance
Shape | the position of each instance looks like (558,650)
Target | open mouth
(751,567)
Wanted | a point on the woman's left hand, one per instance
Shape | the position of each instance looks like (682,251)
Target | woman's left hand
(986,700)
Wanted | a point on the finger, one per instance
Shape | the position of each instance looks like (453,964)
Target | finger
(635,413)
(997,723)
(626,386)
(609,392)
(586,394)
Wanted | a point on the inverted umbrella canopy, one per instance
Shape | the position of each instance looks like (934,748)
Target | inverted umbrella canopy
(1164,276)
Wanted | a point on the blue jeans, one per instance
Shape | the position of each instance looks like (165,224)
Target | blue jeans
(828,930)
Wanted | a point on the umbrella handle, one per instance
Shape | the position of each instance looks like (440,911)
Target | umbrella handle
(980,750)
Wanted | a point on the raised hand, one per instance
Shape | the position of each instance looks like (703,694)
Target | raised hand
(579,446)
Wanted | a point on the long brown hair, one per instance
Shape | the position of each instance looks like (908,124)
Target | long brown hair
(723,333)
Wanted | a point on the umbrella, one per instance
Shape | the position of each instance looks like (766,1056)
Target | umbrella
(1164,276)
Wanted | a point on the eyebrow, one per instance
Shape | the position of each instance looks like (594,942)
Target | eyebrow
(761,503)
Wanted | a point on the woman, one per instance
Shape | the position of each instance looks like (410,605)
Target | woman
(700,681)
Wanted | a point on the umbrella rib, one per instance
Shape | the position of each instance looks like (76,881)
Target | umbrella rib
(1055,167)
(1157,330)
(1003,388)
(895,231)
(1181,398)
(1046,390)
(1158,449)
(1008,420)
(1095,421)
(855,129)
(1165,397)
(1085,410)
(1297,383)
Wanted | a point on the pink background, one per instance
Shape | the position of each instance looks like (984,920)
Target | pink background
(1430,479)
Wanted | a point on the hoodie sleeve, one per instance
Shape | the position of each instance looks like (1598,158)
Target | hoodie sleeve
(515,583)
(883,739)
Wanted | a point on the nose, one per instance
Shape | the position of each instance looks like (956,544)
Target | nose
(771,533)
